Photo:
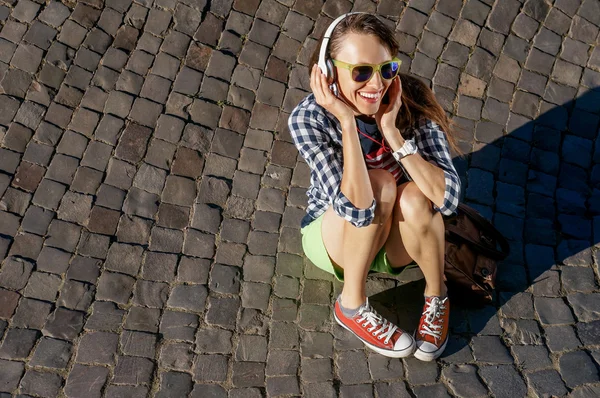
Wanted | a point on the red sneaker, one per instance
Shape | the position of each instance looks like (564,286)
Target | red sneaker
(377,333)
(432,334)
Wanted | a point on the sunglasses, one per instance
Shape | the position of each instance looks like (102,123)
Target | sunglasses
(362,73)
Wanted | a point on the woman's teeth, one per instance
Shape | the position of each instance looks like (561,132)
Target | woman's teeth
(371,96)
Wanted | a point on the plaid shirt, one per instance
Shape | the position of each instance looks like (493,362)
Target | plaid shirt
(318,137)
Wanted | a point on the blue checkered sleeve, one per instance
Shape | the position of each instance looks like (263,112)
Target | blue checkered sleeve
(308,128)
(433,147)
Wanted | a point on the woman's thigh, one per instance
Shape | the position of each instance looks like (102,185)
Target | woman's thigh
(394,246)
(341,239)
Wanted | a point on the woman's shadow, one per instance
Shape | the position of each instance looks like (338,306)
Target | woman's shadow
(540,186)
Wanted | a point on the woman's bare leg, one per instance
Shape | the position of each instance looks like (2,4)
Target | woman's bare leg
(353,249)
(418,233)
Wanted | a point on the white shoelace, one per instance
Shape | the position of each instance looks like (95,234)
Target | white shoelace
(434,310)
(378,324)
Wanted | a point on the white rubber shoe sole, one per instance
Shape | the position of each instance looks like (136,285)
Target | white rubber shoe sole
(430,356)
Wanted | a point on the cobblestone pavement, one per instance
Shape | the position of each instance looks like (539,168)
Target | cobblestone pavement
(151,199)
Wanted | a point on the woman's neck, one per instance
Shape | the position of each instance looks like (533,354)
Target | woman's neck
(366,118)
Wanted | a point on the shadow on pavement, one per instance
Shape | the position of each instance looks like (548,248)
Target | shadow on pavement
(540,186)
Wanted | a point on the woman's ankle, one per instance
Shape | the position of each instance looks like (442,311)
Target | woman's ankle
(352,301)
(438,291)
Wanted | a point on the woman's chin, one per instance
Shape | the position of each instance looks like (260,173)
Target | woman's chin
(369,110)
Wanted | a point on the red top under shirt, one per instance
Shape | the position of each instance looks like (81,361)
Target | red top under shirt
(376,156)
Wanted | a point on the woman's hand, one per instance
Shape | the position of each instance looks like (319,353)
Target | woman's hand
(386,116)
(325,97)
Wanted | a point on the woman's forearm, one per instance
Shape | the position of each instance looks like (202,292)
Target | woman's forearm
(429,178)
(356,185)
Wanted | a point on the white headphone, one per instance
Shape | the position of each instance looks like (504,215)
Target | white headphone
(325,63)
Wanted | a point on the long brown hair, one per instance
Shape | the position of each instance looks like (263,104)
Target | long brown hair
(417,99)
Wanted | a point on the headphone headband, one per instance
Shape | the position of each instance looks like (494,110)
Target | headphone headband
(325,43)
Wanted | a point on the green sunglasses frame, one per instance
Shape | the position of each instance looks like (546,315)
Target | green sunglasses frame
(376,67)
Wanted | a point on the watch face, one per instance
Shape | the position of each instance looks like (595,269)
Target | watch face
(412,148)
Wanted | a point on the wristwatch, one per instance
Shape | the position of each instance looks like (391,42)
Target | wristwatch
(409,148)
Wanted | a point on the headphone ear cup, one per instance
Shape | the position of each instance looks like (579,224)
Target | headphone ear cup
(331,75)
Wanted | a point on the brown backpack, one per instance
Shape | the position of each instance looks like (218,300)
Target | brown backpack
(473,248)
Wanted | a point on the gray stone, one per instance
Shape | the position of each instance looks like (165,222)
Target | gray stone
(561,338)
(115,287)
(588,333)
(138,344)
(12,372)
(190,298)
(133,370)
(223,311)
(546,382)
(178,325)
(211,368)
(577,368)
(462,381)
(553,311)
(490,349)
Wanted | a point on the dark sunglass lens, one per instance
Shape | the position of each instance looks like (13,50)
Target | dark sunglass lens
(362,73)
(389,70)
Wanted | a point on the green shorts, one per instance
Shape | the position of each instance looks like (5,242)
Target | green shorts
(314,249)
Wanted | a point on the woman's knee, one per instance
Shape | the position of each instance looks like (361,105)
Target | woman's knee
(383,184)
(414,205)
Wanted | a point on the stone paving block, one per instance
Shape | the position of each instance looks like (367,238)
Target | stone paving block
(75,208)
(532,357)
(76,295)
(178,325)
(64,324)
(27,58)
(175,384)
(133,370)
(126,38)
(546,382)
(191,298)
(255,295)
(15,273)
(282,363)
(18,343)
(214,341)
(78,77)
(9,379)
(462,380)
(586,370)
(142,319)
(230,253)
(558,21)
(501,15)
(253,322)
(26,245)
(498,378)
(138,344)
(73,145)
(28,176)
(149,43)
(420,372)
(98,347)
(17,137)
(561,338)
(490,349)
(212,368)
(31,314)
(42,286)
(127,391)
(222,311)
(539,62)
